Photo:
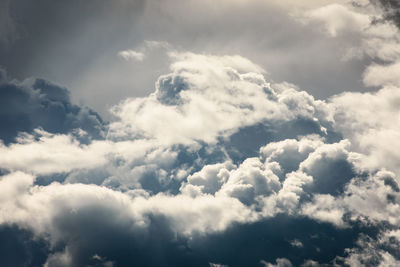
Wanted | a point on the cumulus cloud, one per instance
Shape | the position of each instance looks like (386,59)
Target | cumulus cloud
(371,124)
(216,157)
(220,165)
(192,103)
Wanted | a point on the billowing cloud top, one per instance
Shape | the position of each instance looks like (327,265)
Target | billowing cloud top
(219,166)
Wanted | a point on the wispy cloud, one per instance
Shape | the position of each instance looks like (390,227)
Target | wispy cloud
(131,55)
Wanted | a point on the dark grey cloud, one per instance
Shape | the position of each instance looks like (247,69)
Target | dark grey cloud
(19,248)
(37,103)
(392,9)
(331,175)
(158,245)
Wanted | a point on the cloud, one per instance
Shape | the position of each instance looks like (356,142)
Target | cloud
(216,157)
(131,54)
(191,104)
(361,29)
(64,211)
(20,248)
(371,124)
(37,103)
(58,153)
(331,166)
(391,9)
(220,165)
(378,75)
(144,49)
(75,215)
(281,262)
(97,30)
(337,18)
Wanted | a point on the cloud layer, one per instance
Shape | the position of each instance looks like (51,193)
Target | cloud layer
(219,166)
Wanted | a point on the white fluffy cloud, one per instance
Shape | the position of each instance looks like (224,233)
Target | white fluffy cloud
(52,154)
(22,202)
(372,124)
(193,102)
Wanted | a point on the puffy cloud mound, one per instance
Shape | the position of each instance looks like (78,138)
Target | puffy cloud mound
(217,157)
(193,103)
(372,124)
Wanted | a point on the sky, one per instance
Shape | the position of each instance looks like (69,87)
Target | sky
(199,133)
